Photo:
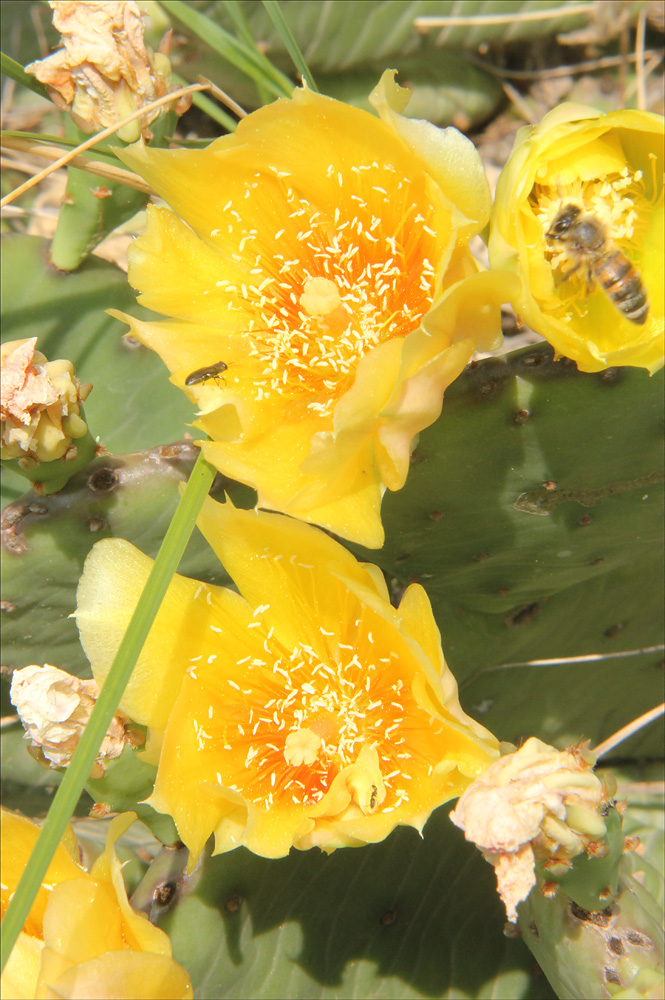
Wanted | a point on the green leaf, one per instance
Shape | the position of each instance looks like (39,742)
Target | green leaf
(532,517)
(244,57)
(337,36)
(290,44)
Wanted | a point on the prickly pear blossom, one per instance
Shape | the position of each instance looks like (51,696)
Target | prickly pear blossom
(82,938)
(321,254)
(579,284)
(304,711)
(537,804)
(104,71)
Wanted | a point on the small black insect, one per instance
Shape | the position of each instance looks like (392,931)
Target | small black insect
(207,374)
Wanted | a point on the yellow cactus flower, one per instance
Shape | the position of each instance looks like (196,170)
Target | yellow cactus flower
(82,938)
(322,292)
(578,215)
(304,711)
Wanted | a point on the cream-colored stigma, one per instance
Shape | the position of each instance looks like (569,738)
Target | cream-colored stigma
(320,297)
(303,745)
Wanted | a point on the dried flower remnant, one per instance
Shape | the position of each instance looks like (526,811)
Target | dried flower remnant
(41,406)
(306,712)
(82,938)
(536,804)
(104,71)
(54,708)
(578,215)
(324,258)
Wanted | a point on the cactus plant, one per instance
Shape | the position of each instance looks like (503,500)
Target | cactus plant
(501,441)
(532,517)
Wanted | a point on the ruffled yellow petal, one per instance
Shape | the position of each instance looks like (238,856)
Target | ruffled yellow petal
(95,945)
(449,157)
(179,273)
(20,974)
(279,580)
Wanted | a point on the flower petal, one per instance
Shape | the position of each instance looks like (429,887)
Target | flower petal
(114,575)
(125,975)
(449,157)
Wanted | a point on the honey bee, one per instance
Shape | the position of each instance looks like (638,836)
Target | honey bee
(585,239)
(207,374)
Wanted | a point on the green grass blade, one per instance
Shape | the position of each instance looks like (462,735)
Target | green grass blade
(76,775)
(292,47)
(15,71)
(240,55)
(236,12)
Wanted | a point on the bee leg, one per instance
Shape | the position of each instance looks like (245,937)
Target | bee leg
(575,267)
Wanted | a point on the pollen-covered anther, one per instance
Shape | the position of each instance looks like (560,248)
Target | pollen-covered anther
(302,747)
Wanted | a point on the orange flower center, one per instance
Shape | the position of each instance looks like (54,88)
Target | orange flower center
(332,281)
(294,720)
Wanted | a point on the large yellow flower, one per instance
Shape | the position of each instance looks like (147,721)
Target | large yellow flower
(82,938)
(323,294)
(578,215)
(306,712)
